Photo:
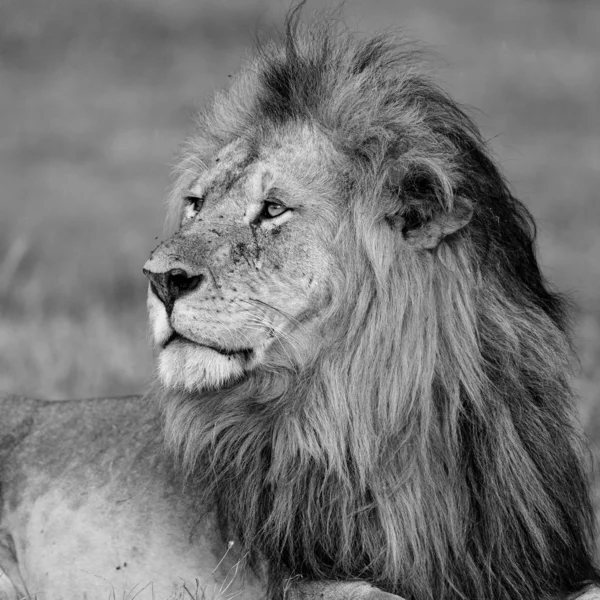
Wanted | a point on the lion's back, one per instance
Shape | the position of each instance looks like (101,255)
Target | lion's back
(57,435)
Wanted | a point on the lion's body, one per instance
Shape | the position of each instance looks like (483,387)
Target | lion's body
(363,372)
(91,507)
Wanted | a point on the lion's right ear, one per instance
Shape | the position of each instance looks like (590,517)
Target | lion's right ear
(424,209)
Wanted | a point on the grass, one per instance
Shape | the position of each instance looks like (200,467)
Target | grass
(96,95)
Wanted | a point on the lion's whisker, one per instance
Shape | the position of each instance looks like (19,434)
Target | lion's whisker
(285,314)
(277,339)
(263,322)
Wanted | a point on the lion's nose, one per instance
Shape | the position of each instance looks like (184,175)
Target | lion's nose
(172,284)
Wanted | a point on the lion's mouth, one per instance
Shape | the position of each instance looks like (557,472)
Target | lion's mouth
(245,353)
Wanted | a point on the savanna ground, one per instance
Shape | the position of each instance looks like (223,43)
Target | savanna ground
(95,96)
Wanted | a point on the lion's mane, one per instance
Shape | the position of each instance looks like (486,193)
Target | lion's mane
(429,447)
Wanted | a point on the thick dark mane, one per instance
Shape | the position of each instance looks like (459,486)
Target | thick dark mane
(430,446)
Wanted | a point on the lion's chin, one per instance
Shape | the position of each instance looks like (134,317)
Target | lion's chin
(184,364)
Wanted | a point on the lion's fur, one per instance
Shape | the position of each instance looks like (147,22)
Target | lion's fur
(429,447)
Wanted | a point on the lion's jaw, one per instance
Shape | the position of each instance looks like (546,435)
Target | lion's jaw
(187,362)
(252,233)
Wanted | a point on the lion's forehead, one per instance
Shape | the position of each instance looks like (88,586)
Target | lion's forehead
(297,160)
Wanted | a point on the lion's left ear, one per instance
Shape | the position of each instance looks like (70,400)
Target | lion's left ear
(427,212)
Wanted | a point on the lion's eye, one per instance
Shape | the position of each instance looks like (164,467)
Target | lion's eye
(195,202)
(270,210)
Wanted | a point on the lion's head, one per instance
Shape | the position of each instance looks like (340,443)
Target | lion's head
(244,282)
(362,365)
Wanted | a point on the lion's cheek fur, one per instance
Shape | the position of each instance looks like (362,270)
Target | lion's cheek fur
(186,366)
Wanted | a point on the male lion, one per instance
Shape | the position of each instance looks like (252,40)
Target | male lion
(364,375)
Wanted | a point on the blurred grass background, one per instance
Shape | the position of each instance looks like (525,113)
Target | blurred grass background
(95,96)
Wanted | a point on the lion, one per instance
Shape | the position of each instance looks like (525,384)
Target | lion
(363,377)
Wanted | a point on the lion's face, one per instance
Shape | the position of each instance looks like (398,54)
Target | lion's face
(243,281)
